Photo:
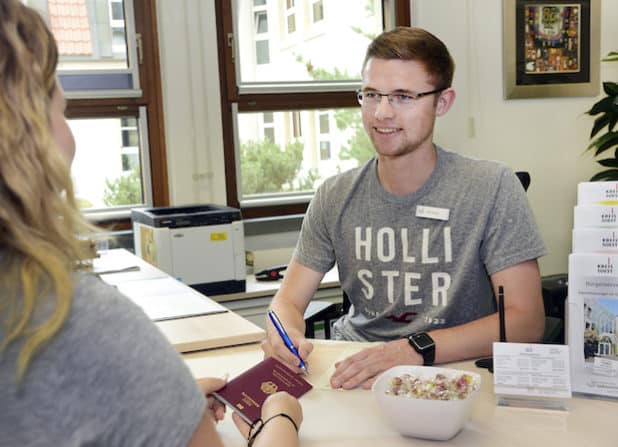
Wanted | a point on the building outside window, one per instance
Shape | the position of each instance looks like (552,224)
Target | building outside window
(290,16)
(101,55)
(262,45)
(318,10)
(324,136)
(308,85)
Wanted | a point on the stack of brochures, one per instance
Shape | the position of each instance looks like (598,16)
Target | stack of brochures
(593,290)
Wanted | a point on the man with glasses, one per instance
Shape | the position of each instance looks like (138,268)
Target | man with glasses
(422,237)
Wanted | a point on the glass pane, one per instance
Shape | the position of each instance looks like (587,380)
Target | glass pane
(262,53)
(324,150)
(345,27)
(324,125)
(269,133)
(117,10)
(318,11)
(107,166)
(90,34)
(261,22)
(291,23)
(289,164)
(130,138)
(130,161)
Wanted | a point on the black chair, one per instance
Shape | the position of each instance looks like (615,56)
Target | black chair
(524,178)
(321,312)
(555,288)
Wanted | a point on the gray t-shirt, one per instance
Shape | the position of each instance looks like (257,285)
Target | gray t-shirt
(108,378)
(419,261)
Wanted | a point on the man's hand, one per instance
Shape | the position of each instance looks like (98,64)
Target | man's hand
(273,346)
(362,368)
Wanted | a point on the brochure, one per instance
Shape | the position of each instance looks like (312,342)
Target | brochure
(592,323)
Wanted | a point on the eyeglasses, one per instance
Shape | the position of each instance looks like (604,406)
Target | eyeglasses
(396,100)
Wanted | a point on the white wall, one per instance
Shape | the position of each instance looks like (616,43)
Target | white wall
(546,137)
(191,99)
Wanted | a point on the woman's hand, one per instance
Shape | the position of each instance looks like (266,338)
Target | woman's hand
(208,385)
(283,402)
(280,402)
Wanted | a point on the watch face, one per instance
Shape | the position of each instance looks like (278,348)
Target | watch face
(422,340)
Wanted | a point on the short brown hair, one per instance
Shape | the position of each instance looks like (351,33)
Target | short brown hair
(415,44)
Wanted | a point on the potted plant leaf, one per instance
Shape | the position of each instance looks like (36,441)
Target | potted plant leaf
(607,111)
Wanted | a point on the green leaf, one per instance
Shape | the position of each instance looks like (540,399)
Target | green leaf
(599,124)
(609,162)
(610,174)
(613,119)
(604,105)
(612,56)
(610,89)
(605,142)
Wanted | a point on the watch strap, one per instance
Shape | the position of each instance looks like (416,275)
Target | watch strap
(424,345)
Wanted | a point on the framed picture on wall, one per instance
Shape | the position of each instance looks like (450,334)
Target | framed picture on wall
(551,48)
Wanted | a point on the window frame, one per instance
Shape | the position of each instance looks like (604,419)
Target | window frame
(150,103)
(396,13)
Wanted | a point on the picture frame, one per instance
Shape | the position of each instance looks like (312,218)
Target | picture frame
(551,48)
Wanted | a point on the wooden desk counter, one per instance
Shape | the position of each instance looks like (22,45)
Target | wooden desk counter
(185,333)
(335,418)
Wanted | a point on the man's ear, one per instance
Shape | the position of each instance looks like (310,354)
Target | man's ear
(445,101)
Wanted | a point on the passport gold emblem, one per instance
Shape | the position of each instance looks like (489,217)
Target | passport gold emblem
(269,387)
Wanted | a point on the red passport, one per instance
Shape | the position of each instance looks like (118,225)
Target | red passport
(246,393)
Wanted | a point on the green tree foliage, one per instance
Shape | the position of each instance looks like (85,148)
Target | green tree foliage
(266,168)
(308,183)
(124,190)
(359,146)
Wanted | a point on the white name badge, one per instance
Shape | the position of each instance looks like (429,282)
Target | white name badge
(432,212)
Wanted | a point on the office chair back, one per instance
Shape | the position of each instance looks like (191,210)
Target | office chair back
(524,178)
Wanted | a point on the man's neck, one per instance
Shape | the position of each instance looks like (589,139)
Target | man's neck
(407,173)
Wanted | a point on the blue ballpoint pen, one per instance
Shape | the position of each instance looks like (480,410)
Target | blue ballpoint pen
(286,339)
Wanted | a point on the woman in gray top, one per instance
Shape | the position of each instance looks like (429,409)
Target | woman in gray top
(79,363)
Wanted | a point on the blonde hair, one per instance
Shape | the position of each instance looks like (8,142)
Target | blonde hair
(39,219)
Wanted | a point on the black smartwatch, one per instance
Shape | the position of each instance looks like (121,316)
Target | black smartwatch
(424,345)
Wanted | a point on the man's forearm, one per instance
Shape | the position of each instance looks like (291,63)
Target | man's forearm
(289,314)
(475,339)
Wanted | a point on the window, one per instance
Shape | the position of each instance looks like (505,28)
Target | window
(262,47)
(269,126)
(307,84)
(324,136)
(109,70)
(324,150)
(318,10)
(290,14)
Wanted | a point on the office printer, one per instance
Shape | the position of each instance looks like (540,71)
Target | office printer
(201,245)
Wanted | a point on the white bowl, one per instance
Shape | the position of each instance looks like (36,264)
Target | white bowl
(425,418)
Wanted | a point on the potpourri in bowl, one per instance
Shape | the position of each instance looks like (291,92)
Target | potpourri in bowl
(425,401)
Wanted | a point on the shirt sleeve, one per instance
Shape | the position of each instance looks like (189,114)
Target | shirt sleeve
(315,246)
(144,393)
